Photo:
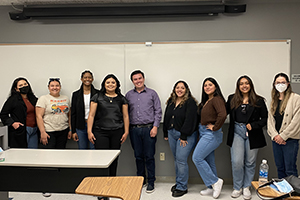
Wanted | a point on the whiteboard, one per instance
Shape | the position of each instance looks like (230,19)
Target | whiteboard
(163,64)
(38,63)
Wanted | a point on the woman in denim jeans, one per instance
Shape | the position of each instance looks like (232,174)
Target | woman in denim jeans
(80,108)
(248,115)
(180,125)
(284,126)
(212,116)
(18,113)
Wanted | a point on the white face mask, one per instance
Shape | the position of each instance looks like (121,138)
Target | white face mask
(281,87)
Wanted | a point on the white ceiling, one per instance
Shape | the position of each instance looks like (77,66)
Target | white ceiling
(45,2)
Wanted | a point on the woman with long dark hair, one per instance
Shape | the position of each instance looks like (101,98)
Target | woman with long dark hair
(284,125)
(180,125)
(212,114)
(248,115)
(108,121)
(80,108)
(18,113)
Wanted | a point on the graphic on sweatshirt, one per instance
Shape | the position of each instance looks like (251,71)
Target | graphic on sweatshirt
(59,106)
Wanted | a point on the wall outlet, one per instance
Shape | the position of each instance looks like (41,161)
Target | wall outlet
(162,156)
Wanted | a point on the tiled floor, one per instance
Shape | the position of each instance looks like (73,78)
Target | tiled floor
(162,191)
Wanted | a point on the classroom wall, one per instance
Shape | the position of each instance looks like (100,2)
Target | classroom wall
(262,21)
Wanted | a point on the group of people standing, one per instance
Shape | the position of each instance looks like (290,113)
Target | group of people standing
(103,119)
(96,119)
(189,126)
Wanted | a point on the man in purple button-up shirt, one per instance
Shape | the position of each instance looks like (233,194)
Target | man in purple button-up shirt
(144,115)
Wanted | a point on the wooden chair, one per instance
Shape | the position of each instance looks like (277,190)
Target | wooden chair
(124,187)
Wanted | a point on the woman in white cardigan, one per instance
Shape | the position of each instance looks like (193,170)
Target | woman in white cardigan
(284,126)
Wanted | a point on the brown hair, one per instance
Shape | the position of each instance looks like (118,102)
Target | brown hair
(187,95)
(275,95)
(237,99)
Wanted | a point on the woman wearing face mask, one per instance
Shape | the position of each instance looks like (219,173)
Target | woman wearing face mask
(180,125)
(18,113)
(108,121)
(80,110)
(248,115)
(53,117)
(284,126)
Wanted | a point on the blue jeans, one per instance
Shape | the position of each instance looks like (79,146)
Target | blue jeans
(181,155)
(144,151)
(243,160)
(204,154)
(32,137)
(83,141)
(286,157)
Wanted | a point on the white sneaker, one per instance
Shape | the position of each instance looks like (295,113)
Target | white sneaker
(247,193)
(217,187)
(206,192)
(236,193)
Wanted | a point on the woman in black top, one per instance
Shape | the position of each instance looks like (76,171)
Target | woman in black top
(108,121)
(18,113)
(248,115)
(80,108)
(180,125)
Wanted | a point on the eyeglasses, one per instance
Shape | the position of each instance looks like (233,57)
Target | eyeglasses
(244,111)
(280,83)
(54,79)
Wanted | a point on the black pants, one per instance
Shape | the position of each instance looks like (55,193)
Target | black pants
(109,139)
(57,140)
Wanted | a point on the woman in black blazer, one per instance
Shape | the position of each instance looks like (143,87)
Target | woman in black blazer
(248,115)
(18,113)
(80,110)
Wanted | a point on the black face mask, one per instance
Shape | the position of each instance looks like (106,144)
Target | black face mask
(24,90)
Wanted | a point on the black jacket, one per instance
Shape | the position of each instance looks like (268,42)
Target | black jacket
(257,120)
(15,110)
(77,109)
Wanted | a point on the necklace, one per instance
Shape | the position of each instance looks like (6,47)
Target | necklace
(110,97)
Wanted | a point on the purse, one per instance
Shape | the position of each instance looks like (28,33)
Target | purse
(293,181)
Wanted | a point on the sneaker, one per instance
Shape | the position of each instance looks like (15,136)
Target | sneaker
(103,198)
(144,183)
(207,192)
(217,187)
(247,193)
(150,188)
(179,193)
(236,193)
(46,194)
(173,188)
